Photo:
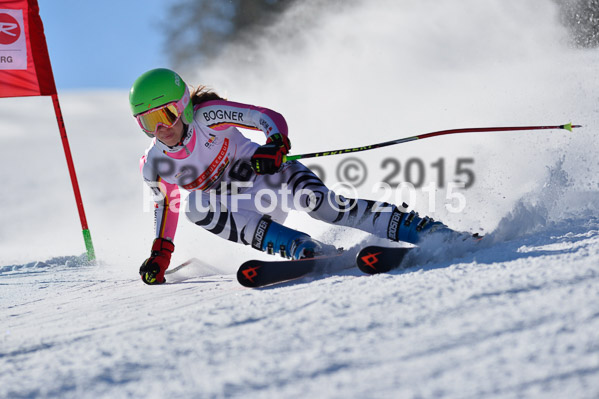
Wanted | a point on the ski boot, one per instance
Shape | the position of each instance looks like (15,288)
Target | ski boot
(304,248)
(273,237)
(410,227)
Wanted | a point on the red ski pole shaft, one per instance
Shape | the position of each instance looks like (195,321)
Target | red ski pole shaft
(567,126)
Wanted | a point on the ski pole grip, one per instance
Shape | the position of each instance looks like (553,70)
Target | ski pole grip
(287,158)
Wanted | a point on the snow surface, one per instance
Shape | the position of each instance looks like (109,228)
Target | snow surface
(515,316)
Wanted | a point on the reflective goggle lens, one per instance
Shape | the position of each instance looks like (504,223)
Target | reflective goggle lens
(167,115)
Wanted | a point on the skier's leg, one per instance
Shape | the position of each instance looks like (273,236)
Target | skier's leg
(242,222)
(378,218)
(273,237)
(213,214)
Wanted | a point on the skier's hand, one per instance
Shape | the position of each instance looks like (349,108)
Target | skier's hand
(153,268)
(268,158)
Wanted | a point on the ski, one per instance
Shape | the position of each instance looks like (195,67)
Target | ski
(370,260)
(181,266)
(259,273)
(201,268)
(374,259)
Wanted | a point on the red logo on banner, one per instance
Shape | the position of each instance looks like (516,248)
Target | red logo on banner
(10,31)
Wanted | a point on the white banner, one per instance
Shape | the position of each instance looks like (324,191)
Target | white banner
(13,44)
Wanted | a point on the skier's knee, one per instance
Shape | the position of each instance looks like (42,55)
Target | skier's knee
(198,207)
(330,207)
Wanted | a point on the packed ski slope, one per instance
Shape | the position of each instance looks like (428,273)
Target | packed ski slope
(515,316)
(515,320)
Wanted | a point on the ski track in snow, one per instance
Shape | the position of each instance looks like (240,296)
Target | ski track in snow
(515,316)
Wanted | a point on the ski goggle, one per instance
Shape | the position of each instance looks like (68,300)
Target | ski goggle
(166,115)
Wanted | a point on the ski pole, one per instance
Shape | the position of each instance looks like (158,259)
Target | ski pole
(567,126)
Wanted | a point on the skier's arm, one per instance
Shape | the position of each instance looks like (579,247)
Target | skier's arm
(166,212)
(166,215)
(222,114)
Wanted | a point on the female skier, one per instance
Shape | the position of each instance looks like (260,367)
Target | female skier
(240,190)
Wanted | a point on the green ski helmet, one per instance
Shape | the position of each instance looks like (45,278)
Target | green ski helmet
(157,88)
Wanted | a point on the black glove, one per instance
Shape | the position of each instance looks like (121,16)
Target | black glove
(153,268)
(268,158)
